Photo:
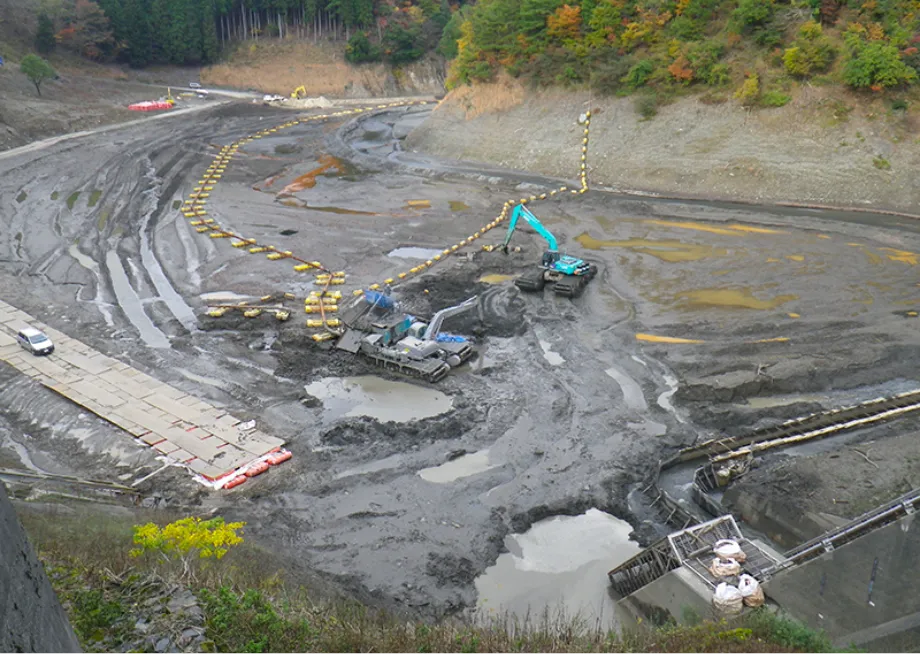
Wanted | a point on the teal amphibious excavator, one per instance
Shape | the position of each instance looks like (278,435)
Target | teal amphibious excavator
(568,274)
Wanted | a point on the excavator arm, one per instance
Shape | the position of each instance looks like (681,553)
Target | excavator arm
(531,219)
(434,327)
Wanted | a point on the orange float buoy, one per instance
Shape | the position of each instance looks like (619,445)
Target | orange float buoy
(236,481)
(278,457)
(256,468)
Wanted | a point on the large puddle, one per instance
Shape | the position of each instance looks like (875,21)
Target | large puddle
(377,398)
(559,566)
(732,297)
(464,466)
(414,253)
(669,251)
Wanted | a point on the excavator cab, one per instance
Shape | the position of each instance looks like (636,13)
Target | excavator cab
(550,258)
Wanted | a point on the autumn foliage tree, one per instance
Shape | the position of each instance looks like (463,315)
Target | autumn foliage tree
(564,24)
(87,31)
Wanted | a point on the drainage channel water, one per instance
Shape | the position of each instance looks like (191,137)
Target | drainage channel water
(130,303)
(558,568)
(377,398)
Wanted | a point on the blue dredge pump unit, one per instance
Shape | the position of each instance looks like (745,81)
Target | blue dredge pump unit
(379,330)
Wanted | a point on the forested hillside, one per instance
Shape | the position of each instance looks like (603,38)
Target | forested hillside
(189,32)
(756,49)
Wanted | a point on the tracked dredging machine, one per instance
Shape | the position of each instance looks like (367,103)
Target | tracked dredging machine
(569,275)
(376,328)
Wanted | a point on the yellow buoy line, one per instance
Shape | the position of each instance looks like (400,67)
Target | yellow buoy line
(193,208)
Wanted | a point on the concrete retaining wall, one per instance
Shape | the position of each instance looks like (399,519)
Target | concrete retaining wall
(31,617)
(865,592)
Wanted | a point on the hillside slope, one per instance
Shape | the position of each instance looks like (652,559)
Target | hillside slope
(825,147)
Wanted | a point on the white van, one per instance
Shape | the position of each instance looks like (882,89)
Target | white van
(34,341)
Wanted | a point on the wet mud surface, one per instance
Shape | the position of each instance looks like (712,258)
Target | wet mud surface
(703,320)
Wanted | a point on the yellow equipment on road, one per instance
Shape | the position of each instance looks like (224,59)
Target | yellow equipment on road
(299,92)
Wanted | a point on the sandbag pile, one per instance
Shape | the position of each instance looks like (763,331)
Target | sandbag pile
(730,599)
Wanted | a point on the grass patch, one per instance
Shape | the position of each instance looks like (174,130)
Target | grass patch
(775,99)
(72,200)
(94,198)
(176,204)
(55,195)
(103,217)
(250,604)
(881,163)
(21,197)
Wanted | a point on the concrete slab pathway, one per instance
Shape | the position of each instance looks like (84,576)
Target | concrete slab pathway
(193,433)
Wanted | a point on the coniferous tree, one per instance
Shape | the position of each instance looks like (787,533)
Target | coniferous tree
(44,36)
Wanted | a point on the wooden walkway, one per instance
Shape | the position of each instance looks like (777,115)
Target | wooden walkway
(183,428)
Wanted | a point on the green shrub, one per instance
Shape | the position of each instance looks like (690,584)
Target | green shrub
(639,74)
(360,50)
(774,98)
(811,53)
(749,91)
(647,106)
(608,71)
(787,632)
(703,58)
(753,14)
(899,104)
(401,44)
(875,65)
(447,45)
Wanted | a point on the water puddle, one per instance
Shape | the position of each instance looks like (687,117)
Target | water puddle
(414,253)
(464,466)
(131,304)
(724,230)
(770,401)
(374,466)
(342,211)
(559,565)
(223,296)
(668,251)
(377,398)
(553,358)
(308,180)
(632,392)
(201,379)
(732,297)
(496,278)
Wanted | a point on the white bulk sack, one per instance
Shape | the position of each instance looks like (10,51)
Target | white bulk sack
(724,567)
(750,590)
(729,549)
(727,599)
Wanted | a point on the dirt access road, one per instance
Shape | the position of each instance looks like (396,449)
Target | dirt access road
(698,308)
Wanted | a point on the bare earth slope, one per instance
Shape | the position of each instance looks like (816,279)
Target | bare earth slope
(817,149)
